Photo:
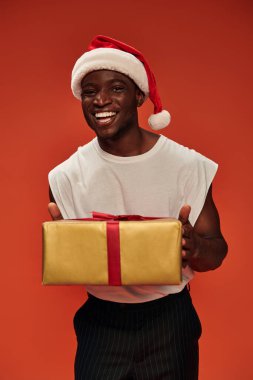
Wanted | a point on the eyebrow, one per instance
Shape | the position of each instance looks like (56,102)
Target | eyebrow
(111,81)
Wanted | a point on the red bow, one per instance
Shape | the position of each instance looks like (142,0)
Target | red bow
(101,216)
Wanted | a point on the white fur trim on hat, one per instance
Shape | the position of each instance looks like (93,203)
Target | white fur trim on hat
(110,59)
(159,120)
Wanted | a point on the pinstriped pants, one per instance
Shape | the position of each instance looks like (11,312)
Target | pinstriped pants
(156,340)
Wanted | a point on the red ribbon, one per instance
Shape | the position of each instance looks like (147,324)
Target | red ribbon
(113,252)
(113,241)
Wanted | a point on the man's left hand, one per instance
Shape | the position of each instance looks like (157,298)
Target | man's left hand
(203,246)
(189,237)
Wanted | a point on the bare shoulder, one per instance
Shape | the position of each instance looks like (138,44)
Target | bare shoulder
(208,222)
(51,197)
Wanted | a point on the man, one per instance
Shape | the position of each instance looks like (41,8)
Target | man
(136,332)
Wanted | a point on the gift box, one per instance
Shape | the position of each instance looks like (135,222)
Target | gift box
(109,250)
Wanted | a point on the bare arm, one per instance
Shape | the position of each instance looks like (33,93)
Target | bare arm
(53,208)
(204,247)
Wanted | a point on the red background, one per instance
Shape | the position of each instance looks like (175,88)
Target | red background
(201,52)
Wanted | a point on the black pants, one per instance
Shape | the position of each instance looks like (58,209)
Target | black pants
(148,341)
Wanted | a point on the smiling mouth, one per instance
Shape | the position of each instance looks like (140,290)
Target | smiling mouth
(105,118)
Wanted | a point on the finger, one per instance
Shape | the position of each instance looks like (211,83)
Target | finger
(186,242)
(184,253)
(187,231)
(54,211)
(184,259)
(184,214)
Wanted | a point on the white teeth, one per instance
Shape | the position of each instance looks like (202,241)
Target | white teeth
(104,114)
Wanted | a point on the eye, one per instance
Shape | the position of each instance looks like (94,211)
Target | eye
(118,89)
(88,92)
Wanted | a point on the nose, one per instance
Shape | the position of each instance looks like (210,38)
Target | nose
(102,98)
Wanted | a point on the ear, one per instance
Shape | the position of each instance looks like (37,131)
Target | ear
(139,97)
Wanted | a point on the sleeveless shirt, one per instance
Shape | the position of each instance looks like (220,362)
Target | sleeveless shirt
(156,183)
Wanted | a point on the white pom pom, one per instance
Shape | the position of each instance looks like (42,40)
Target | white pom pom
(159,120)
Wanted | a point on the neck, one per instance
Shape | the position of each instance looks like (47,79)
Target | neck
(136,141)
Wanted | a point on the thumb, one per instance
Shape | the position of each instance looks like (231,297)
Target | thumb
(54,211)
(184,214)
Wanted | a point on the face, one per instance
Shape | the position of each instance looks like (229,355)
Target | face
(109,102)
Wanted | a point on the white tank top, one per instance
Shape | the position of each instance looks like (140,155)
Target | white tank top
(156,183)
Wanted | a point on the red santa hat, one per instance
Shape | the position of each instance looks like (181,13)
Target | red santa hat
(109,54)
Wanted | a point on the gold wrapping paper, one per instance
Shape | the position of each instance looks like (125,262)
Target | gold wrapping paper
(75,252)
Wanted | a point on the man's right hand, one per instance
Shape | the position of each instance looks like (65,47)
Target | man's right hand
(54,211)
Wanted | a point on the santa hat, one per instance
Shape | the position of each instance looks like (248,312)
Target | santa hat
(110,54)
